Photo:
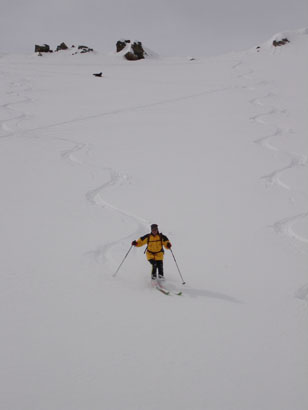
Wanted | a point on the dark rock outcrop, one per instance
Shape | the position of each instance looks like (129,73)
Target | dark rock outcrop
(280,42)
(46,49)
(134,52)
(42,48)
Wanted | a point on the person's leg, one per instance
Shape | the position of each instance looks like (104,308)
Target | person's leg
(160,266)
(153,262)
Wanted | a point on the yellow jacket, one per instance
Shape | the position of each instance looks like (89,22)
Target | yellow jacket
(156,244)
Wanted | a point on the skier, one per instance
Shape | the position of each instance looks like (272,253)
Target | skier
(155,242)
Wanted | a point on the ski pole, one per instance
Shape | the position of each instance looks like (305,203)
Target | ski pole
(122,261)
(183,283)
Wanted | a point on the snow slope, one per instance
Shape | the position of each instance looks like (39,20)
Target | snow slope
(215,152)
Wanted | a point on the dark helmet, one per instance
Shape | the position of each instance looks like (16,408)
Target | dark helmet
(154,226)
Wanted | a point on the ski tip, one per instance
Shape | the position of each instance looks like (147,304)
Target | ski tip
(164,291)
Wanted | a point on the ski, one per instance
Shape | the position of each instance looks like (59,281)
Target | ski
(175,292)
(165,291)
(162,290)
(171,292)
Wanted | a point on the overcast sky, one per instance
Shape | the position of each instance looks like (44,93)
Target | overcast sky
(168,27)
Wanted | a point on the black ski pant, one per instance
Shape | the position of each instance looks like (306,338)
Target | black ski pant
(157,265)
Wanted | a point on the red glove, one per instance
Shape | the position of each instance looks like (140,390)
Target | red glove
(134,243)
(168,245)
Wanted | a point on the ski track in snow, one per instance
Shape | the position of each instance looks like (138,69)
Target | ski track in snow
(302,293)
(70,153)
(103,253)
(286,225)
(295,160)
(10,125)
(130,109)
(96,197)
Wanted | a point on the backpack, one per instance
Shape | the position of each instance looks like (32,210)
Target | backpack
(162,238)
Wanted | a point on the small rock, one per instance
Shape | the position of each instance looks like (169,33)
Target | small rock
(62,46)
(85,49)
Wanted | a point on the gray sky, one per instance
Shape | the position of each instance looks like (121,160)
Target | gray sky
(168,27)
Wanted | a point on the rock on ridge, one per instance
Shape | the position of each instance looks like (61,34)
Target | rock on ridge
(132,51)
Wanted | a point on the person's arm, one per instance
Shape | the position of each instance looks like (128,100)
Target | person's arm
(141,241)
(166,242)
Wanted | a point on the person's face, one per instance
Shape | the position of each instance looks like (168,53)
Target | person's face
(154,231)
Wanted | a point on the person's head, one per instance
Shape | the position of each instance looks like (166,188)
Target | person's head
(154,229)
